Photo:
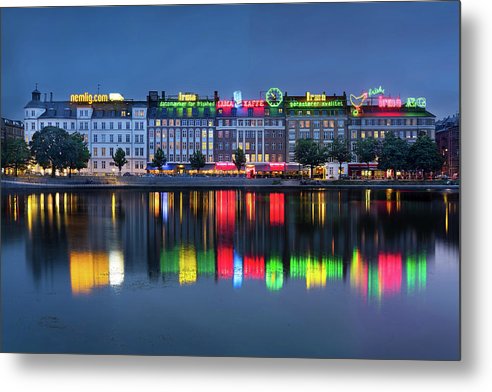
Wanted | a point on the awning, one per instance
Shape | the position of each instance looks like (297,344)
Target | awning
(225,166)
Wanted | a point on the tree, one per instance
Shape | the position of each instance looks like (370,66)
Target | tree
(394,153)
(424,155)
(239,158)
(48,148)
(15,155)
(76,153)
(366,150)
(159,159)
(340,152)
(197,160)
(307,152)
(119,158)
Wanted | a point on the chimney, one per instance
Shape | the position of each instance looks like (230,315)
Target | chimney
(45,97)
(51,97)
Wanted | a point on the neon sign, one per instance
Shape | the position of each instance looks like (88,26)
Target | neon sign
(376,91)
(357,102)
(246,103)
(315,97)
(116,97)
(384,102)
(187,104)
(274,97)
(91,98)
(238,98)
(333,103)
(187,97)
(420,102)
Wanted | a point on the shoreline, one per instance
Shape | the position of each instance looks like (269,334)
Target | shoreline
(240,183)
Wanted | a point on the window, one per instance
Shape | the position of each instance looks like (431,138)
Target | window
(95,138)
(119,138)
(111,151)
(127,138)
(119,124)
(103,125)
(128,125)
(127,151)
(103,164)
(103,138)
(103,151)
(95,165)
(111,138)
(95,152)
(110,125)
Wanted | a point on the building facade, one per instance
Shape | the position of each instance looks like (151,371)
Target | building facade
(181,125)
(373,114)
(318,117)
(106,121)
(448,142)
(11,129)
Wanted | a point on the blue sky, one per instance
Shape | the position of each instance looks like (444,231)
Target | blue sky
(411,49)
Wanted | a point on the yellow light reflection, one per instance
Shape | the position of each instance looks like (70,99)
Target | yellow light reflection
(88,270)
(367,199)
(187,265)
(315,274)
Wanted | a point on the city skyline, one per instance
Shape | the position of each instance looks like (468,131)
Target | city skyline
(246,48)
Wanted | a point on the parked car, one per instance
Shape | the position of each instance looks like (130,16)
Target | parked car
(127,174)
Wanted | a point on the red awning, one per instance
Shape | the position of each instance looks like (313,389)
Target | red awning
(225,166)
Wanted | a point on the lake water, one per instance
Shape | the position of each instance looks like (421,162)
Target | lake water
(332,274)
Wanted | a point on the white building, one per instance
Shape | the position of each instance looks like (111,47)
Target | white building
(106,124)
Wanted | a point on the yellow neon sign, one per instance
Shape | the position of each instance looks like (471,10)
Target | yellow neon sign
(315,97)
(187,97)
(92,98)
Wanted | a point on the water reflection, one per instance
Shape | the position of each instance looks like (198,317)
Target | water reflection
(375,243)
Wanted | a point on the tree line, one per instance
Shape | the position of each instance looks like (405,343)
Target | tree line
(56,149)
(391,153)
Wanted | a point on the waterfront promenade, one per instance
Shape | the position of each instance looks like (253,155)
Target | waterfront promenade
(190,182)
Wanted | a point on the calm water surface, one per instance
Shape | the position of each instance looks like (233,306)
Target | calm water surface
(345,274)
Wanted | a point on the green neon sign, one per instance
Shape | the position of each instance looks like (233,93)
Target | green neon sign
(274,97)
(419,102)
(311,104)
(186,104)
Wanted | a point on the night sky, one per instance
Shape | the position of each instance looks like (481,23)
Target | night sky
(411,49)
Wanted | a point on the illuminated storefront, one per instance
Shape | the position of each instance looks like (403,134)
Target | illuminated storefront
(181,125)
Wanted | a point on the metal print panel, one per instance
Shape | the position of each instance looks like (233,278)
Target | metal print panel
(275,180)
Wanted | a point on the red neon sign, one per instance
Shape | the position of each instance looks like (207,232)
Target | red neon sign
(225,104)
(254,103)
(384,102)
(247,103)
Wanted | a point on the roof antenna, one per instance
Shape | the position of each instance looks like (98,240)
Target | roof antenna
(36,86)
